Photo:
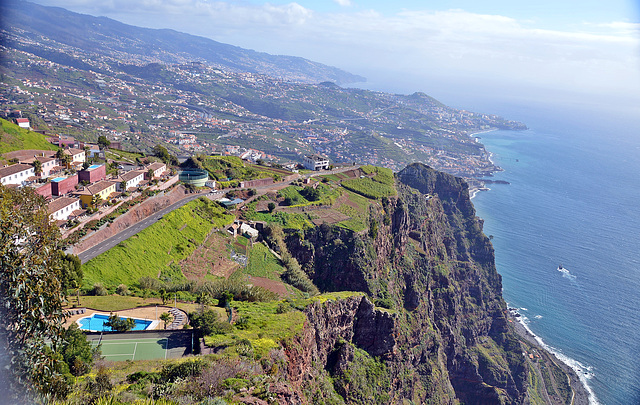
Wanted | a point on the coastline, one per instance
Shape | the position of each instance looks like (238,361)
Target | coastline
(583,395)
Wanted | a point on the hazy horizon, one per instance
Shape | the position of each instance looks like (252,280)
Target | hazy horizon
(454,50)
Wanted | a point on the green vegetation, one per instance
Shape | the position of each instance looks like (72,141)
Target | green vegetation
(378,186)
(222,168)
(359,220)
(261,330)
(285,219)
(158,247)
(119,324)
(365,381)
(12,138)
(262,263)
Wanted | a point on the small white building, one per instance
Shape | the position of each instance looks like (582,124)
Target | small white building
(211,184)
(131,179)
(316,162)
(62,208)
(23,123)
(158,168)
(249,231)
(16,174)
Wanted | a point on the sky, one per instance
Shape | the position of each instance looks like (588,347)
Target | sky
(565,49)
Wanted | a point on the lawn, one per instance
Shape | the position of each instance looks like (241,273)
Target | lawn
(157,249)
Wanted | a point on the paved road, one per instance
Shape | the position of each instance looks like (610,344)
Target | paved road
(152,219)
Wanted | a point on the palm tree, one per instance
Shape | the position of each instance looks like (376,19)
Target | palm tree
(165,317)
(37,167)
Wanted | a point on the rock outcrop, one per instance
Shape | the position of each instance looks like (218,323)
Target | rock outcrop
(437,332)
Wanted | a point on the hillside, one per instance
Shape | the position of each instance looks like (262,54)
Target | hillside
(409,311)
(110,38)
(13,138)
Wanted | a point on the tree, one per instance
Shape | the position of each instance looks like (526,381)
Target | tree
(103,142)
(64,158)
(71,270)
(163,153)
(30,293)
(85,165)
(96,200)
(119,324)
(165,317)
(77,352)
(310,193)
(271,206)
(37,167)
(150,174)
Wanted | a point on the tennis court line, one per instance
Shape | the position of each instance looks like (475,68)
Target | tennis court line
(134,351)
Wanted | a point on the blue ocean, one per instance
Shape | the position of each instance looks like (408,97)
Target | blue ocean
(573,200)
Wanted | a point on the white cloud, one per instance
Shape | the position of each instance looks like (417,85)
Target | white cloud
(428,43)
(344,3)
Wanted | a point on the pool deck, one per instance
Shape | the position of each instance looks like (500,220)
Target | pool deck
(148,313)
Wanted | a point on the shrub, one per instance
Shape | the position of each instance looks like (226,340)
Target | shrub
(123,290)
(185,369)
(143,376)
(99,289)
(208,323)
(296,277)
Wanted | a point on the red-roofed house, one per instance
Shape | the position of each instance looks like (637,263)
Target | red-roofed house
(23,123)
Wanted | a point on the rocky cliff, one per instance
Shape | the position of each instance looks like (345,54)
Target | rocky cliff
(438,330)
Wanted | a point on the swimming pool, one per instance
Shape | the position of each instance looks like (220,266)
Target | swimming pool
(95,323)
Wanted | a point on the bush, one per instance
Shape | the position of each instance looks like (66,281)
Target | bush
(186,369)
(208,323)
(120,324)
(99,290)
(296,277)
(138,376)
(123,290)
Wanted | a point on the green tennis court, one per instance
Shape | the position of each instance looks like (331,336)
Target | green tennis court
(133,349)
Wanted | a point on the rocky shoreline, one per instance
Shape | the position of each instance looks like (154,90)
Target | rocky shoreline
(580,392)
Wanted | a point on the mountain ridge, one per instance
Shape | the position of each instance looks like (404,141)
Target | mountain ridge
(106,36)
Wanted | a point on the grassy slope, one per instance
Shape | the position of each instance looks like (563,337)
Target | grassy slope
(12,137)
(151,251)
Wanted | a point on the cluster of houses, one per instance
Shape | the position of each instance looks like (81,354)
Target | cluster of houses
(70,195)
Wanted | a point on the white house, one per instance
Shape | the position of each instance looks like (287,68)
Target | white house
(131,179)
(47,164)
(158,168)
(62,208)
(16,174)
(23,123)
(316,162)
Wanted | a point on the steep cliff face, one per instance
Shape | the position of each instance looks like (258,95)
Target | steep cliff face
(444,337)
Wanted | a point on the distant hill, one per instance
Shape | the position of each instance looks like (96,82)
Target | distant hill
(12,137)
(109,37)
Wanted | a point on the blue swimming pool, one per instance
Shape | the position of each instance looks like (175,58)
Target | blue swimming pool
(95,323)
(93,167)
